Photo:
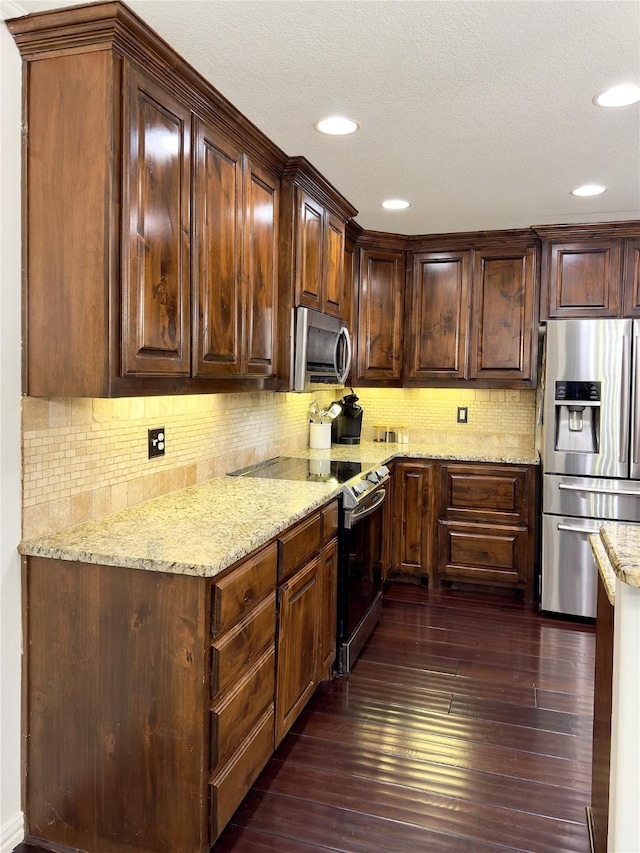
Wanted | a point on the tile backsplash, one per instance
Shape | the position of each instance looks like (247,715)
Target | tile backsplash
(84,458)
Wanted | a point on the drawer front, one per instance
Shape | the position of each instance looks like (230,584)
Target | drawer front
(480,553)
(329,521)
(236,713)
(234,651)
(497,494)
(236,594)
(230,785)
(298,545)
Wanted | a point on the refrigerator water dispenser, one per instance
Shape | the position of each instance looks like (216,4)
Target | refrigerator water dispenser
(577,417)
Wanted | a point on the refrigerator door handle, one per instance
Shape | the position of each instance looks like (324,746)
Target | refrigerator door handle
(567,487)
(624,401)
(635,402)
(586,531)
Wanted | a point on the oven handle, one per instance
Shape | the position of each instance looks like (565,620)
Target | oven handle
(362,512)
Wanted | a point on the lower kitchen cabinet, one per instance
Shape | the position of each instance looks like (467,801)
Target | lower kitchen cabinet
(150,697)
(307,601)
(413,519)
(486,525)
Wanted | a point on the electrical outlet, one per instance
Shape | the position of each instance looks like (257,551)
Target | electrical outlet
(463,414)
(156,442)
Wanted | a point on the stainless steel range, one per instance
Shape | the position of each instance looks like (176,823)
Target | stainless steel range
(364,490)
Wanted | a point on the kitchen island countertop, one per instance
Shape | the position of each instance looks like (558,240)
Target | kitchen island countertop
(617,551)
(204,529)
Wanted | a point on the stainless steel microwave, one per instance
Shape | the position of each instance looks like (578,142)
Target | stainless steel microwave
(322,350)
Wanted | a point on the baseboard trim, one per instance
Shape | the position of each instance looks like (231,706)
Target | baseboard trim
(12,833)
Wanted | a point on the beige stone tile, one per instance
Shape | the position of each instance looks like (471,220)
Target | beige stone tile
(81,411)
(59,412)
(35,414)
(80,507)
(102,411)
(191,474)
(119,496)
(35,521)
(59,514)
(151,486)
(135,491)
(100,502)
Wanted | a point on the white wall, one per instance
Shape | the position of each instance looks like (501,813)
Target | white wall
(11,820)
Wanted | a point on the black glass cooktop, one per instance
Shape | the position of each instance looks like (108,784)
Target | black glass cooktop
(311,470)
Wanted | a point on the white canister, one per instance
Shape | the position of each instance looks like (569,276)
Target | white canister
(320,436)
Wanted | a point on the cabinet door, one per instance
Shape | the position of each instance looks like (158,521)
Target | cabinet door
(333,297)
(297,646)
(581,279)
(155,239)
(380,316)
(309,251)
(261,272)
(631,279)
(502,318)
(439,316)
(328,589)
(217,233)
(412,528)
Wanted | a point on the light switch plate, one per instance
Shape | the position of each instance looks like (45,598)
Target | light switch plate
(463,414)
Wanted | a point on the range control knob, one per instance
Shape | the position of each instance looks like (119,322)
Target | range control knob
(382,471)
(373,477)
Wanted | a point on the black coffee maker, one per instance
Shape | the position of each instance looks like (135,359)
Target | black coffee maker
(347,426)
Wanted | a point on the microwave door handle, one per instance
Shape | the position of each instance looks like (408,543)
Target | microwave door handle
(342,374)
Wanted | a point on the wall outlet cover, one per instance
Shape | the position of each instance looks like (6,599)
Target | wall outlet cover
(156,442)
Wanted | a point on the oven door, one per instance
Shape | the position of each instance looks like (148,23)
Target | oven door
(360,576)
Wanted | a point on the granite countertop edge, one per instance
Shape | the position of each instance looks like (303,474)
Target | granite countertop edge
(622,546)
(204,529)
(605,568)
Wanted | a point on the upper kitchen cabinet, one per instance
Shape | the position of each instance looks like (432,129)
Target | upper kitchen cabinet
(314,217)
(471,305)
(235,259)
(380,298)
(588,270)
(151,217)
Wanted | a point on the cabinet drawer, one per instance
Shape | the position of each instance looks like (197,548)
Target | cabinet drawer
(235,715)
(235,594)
(296,546)
(232,652)
(231,784)
(476,552)
(329,521)
(496,494)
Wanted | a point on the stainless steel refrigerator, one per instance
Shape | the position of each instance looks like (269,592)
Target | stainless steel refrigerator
(590,451)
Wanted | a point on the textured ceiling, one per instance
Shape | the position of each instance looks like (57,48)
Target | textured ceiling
(480,113)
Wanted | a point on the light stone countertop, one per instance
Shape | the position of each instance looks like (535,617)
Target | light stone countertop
(622,544)
(604,567)
(204,529)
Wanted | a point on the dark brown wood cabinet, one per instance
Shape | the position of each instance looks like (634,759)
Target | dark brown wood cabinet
(307,601)
(438,316)
(602,705)
(150,232)
(155,229)
(589,270)
(149,701)
(471,310)
(235,265)
(486,525)
(413,519)
(502,331)
(379,316)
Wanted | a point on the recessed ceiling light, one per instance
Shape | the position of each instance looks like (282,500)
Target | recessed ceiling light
(619,96)
(336,126)
(395,204)
(588,189)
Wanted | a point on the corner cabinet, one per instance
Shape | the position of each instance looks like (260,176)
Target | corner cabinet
(380,300)
(151,234)
(486,525)
(471,311)
(590,270)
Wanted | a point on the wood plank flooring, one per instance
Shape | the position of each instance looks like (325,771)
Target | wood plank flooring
(464,727)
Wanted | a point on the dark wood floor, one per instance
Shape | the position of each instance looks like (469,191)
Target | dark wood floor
(464,727)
